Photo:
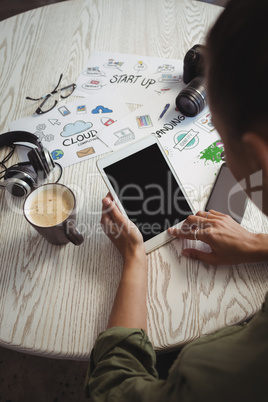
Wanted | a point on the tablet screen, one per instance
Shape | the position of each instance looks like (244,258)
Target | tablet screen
(148,191)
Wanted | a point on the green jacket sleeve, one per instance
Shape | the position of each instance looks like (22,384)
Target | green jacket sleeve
(122,368)
(229,365)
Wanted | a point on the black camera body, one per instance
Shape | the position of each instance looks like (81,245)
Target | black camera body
(192,99)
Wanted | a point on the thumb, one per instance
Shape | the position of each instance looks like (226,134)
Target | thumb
(209,258)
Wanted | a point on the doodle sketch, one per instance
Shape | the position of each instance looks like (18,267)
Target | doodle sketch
(186,139)
(93,85)
(114,64)
(107,121)
(81,109)
(101,109)
(144,121)
(170,79)
(72,137)
(57,154)
(140,66)
(75,128)
(134,76)
(94,71)
(124,135)
(85,152)
(165,68)
(205,122)
(200,173)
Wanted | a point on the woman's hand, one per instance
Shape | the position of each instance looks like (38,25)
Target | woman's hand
(130,305)
(121,231)
(230,243)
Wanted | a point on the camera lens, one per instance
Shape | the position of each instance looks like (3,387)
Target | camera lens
(192,99)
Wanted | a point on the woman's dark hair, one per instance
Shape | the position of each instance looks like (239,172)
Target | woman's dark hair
(237,66)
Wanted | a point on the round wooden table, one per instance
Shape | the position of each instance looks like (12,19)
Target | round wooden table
(55,300)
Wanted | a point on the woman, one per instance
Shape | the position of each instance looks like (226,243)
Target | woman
(230,365)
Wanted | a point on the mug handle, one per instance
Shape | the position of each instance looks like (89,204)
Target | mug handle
(73,234)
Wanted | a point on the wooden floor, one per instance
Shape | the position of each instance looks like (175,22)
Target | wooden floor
(8,8)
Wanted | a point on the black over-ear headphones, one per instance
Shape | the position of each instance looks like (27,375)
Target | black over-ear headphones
(22,177)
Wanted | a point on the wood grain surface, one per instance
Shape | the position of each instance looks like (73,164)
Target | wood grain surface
(55,300)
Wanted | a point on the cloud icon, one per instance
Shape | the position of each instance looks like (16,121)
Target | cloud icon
(101,109)
(75,128)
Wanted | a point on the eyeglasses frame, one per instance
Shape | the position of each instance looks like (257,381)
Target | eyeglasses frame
(52,93)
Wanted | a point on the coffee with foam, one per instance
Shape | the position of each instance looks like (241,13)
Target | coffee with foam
(50,206)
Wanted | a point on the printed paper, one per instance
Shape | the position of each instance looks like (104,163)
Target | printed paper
(181,137)
(70,131)
(199,173)
(138,78)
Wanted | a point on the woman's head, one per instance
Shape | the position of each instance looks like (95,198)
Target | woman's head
(237,85)
(237,68)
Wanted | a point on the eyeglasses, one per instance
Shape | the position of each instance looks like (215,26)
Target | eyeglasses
(51,99)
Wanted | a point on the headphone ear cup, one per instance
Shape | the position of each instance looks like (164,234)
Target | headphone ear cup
(41,161)
(37,163)
(20,180)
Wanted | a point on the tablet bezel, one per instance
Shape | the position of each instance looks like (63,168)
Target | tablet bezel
(107,160)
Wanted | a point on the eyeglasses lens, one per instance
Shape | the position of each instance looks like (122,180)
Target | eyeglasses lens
(67,91)
(48,103)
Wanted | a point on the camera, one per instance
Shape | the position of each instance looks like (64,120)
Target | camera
(192,99)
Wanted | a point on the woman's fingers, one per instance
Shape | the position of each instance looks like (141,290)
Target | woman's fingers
(190,233)
(209,258)
(109,207)
(195,227)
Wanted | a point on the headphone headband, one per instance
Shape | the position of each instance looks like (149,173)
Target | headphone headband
(10,138)
(20,179)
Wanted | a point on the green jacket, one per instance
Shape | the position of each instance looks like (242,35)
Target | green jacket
(229,365)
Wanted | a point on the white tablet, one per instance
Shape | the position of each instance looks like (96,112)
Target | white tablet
(146,189)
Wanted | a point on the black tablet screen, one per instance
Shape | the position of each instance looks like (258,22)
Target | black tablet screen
(148,191)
